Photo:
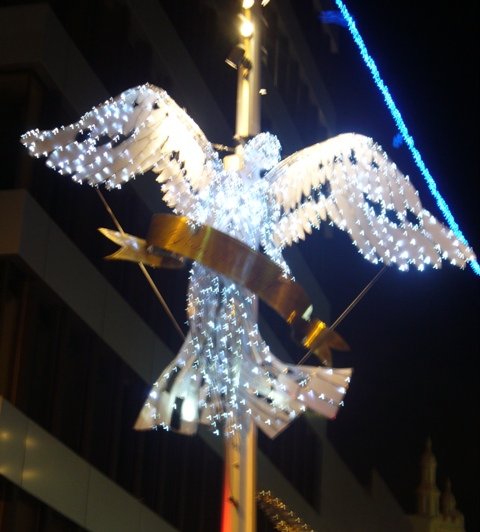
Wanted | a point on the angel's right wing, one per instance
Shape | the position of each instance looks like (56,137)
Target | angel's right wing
(139,130)
(350,181)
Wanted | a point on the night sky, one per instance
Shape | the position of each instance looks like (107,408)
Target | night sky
(414,337)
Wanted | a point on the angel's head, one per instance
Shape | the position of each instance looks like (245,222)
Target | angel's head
(262,152)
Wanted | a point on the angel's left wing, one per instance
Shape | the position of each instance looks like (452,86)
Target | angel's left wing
(350,181)
(141,129)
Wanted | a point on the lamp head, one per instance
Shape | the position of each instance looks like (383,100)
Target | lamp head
(237,57)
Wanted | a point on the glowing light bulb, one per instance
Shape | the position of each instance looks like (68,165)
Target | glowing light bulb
(246,28)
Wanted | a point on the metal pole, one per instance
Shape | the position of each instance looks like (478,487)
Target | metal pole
(248,85)
(239,492)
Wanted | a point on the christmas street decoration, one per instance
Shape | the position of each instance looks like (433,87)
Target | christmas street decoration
(224,370)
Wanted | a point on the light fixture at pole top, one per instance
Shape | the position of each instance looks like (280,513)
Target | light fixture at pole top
(248,4)
(246,27)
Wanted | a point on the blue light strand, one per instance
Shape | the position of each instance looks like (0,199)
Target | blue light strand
(333,17)
(397,140)
(397,117)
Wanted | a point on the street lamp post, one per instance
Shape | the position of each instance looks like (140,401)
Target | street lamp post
(239,492)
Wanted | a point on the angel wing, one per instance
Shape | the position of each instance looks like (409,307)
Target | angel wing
(350,181)
(139,130)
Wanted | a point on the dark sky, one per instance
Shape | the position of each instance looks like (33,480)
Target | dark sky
(414,339)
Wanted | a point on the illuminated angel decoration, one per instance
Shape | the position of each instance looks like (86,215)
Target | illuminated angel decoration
(224,370)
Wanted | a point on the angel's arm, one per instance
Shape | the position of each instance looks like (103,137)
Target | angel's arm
(350,181)
(141,129)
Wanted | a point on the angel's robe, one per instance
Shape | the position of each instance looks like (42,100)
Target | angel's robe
(224,370)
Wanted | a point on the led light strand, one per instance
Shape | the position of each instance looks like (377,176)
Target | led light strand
(397,117)
(281,516)
(333,17)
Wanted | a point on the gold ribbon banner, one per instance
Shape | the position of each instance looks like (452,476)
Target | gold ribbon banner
(172,238)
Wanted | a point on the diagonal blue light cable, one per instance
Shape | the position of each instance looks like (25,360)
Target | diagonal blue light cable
(397,117)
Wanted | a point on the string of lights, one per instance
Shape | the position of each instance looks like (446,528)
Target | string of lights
(400,123)
(280,515)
